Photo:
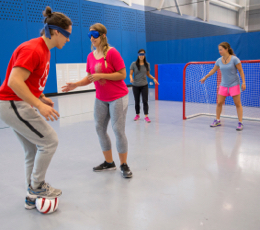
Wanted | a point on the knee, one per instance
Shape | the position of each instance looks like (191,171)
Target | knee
(220,103)
(238,105)
(99,129)
(52,140)
(119,133)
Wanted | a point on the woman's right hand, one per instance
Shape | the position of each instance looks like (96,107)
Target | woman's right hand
(132,80)
(203,80)
(68,87)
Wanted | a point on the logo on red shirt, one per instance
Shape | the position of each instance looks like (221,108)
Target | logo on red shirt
(43,79)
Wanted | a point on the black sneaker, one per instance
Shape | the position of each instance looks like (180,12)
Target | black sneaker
(105,166)
(125,170)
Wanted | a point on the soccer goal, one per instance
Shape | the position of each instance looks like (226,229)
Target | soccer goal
(200,99)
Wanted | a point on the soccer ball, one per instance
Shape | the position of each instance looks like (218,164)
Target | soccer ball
(47,206)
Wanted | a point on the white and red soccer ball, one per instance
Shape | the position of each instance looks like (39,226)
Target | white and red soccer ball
(47,206)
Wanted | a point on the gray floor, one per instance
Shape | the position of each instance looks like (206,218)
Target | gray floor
(187,176)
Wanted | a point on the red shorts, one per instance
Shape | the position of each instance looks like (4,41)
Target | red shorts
(229,91)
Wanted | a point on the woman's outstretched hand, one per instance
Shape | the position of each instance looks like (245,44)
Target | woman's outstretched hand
(68,87)
(203,80)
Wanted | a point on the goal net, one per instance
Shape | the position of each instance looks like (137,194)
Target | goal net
(200,99)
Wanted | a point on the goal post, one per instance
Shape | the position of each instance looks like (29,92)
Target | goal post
(200,99)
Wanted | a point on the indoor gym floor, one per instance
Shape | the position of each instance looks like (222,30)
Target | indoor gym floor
(186,175)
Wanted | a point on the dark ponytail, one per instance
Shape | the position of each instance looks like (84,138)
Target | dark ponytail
(226,46)
(138,61)
(55,18)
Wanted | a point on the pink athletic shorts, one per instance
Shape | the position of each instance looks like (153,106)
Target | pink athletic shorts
(229,91)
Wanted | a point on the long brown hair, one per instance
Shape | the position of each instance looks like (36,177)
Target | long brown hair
(138,61)
(226,46)
(55,18)
(104,43)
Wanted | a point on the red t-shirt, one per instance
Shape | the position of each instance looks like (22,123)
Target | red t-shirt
(107,90)
(34,56)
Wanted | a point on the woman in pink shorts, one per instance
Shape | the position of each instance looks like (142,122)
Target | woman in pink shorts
(230,83)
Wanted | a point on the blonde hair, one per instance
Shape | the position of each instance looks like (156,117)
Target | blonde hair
(104,44)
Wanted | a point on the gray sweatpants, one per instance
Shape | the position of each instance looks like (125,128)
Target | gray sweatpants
(116,111)
(37,137)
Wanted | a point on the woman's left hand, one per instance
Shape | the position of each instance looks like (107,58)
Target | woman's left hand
(155,81)
(243,87)
(95,77)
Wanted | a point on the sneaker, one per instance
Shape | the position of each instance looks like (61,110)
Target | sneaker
(105,167)
(215,123)
(137,117)
(147,119)
(125,170)
(44,191)
(240,126)
(29,203)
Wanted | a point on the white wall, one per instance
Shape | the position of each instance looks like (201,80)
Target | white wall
(254,15)
(190,7)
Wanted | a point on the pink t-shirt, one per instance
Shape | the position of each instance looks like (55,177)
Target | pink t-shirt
(107,90)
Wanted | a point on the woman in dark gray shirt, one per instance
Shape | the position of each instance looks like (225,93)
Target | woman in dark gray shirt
(141,68)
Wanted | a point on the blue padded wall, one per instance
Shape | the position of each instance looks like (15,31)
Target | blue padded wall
(91,13)
(129,41)
(161,27)
(72,51)
(245,46)
(112,21)
(126,30)
(34,9)
(171,83)
(140,35)
(12,18)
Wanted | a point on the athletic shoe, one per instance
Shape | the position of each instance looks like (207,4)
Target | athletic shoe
(137,117)
(44,191)
(147,119)
(125,170)
(29,203)
(215,123)
(105,167)
(240,126)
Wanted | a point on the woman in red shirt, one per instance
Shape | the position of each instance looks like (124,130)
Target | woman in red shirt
(21,90)
(106,68)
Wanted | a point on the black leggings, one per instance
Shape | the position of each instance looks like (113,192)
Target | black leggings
(144,91)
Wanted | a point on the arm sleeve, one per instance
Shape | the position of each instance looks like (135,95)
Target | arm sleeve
(116,60)
(28,59)
(236,60)
(132,66)
(217,62)
(88,65)
(149,69)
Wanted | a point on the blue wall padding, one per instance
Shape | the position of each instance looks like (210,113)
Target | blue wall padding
(126,31)
(12,36)
(161,27)
(245,45)
(170,80)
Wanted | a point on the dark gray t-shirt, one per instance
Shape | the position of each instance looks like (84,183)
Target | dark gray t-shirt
(139,76)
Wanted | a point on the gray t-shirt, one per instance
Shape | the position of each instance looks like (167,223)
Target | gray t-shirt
(229,72)
(139,76)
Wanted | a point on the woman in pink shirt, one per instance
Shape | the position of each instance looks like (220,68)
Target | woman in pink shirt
(106,68)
